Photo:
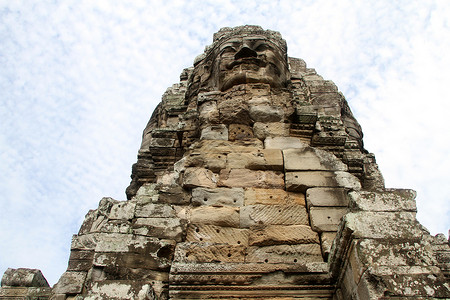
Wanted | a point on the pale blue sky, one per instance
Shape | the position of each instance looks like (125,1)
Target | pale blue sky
(80,79)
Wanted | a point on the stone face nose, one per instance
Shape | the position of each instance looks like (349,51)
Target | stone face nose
(245,52)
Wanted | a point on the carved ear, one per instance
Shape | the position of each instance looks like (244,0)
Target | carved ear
(206,72)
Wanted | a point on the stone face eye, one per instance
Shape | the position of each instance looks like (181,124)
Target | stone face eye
(261,47)
(228,49)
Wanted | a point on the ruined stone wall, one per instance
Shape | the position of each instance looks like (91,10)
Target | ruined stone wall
(252,181)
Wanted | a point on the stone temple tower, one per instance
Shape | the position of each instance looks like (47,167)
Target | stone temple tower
(252,182)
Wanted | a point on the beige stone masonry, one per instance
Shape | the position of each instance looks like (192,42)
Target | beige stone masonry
(265,130)
(154,210)
(326,218)
(239,132)
(208,113)
(301,181)
(217,234)
(303,253)
(266,113)
(327,197)
(282,142)
(70,283)
(208,252)
(211,161)
(250,178)
(218,196)
(282,234)
(266,159)
(215,132)
(308,158)
(120,290)
(272,196)
(326,239)
(122,211)
(166,228)
(199,177)
(221,216)
(390,200)
(273,215)
(225,147)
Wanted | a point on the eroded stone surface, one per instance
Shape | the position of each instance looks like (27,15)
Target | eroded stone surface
(304,253)
(218,196)
(281,234)
(252,215)
(217,234)
(250,178)
(326,218)
(211,215)
(327,197)
(272,196)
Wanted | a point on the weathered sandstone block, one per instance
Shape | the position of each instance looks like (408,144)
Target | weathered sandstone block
(147,193)
(327,197)
(301,181)
(218,196)
(122,211)
(217,234)
(250,178)
(282,142)
(24,278)
(266,113)
(199,177)
(326,218)
(173,194)
(220,216)
(225,147)
(384,225)
(239,132)
(122,243)
(154,210)
(162,142)
(322,86)
(265,130)
(273,215)
(207,252)
(389,200)
(70,283)
(211,161)
(80,260)
(303,253)
(165,228)
(282,234)
(326,239)
(111,226)
(121,290)
(266,159)
(309,158)
(272,196)
(233,111)
(208,113)
(215,132)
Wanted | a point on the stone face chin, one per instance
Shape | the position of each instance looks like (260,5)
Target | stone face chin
(251,183)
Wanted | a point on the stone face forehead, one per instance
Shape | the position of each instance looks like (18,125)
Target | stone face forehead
(247,33)
(248,30)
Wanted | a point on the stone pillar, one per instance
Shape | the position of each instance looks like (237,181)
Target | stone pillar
(381,251)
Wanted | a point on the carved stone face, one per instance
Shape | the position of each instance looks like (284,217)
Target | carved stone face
(251,59)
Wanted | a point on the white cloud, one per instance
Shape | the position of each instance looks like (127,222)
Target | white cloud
(79,80)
